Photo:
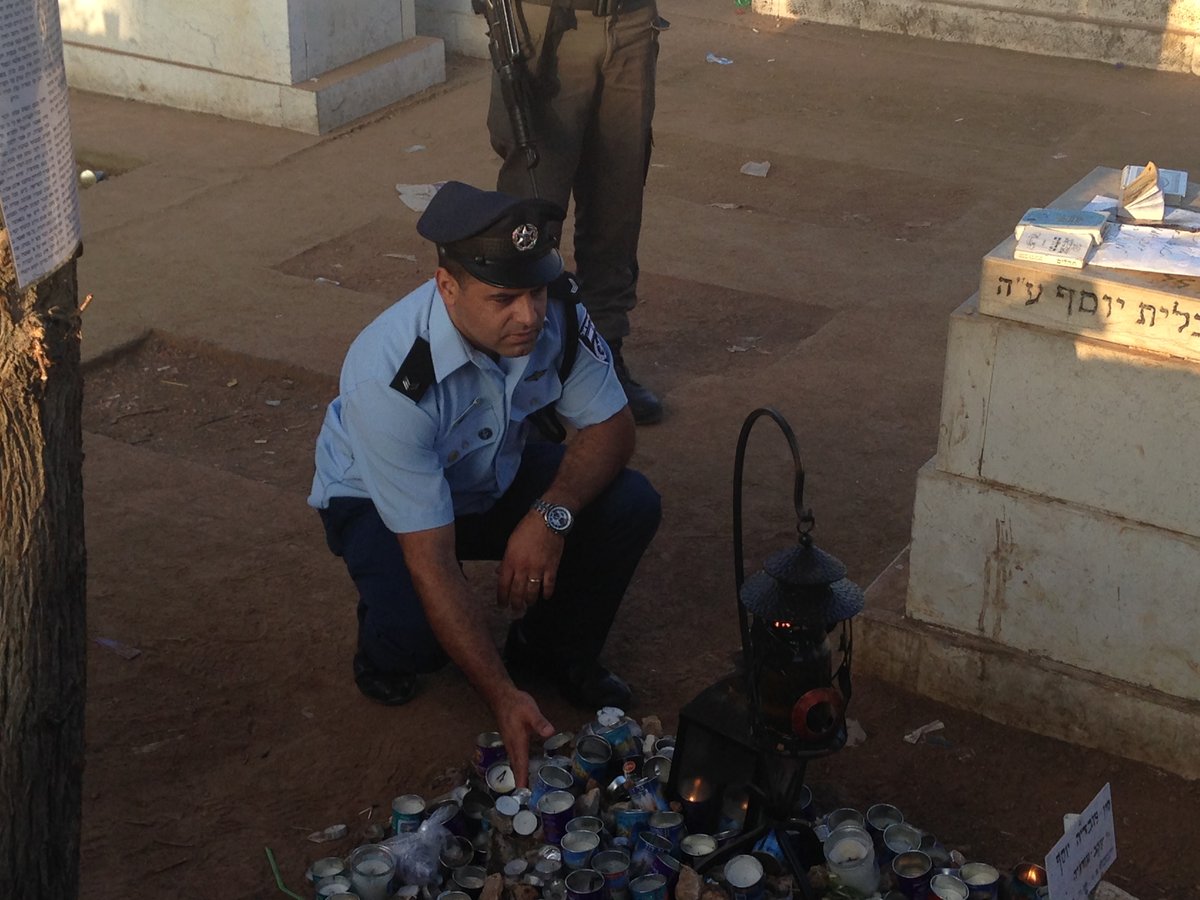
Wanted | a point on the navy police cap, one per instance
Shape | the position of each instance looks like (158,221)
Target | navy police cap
(502,240)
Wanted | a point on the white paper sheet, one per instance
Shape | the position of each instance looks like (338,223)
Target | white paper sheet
(1144,248)
(39,196)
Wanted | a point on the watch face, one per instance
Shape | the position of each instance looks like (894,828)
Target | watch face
(558,518)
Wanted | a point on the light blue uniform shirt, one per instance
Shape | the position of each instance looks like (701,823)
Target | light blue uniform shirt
(457,449)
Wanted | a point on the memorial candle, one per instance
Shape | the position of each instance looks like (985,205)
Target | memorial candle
(698,805)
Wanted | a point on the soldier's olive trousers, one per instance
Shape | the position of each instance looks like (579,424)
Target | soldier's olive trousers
(594,89)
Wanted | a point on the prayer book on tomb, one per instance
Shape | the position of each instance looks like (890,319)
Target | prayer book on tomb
(1146,191)
(1055,247)
(1067,221)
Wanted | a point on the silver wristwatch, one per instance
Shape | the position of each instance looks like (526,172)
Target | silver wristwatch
(559,519)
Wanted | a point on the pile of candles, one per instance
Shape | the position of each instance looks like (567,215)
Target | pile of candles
(596,823)
(880,855)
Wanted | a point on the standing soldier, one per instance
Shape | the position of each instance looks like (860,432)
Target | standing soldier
(590,67)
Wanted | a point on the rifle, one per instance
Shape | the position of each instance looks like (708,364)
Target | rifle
(516,86)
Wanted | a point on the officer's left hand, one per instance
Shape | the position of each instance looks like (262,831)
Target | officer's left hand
(530,565)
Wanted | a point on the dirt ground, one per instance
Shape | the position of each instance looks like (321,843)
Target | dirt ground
(824,291)
(237,726)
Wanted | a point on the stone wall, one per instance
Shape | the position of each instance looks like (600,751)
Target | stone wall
(1151,34)
(310,65)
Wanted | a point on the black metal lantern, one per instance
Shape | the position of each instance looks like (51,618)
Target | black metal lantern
(787,610)
(752,733)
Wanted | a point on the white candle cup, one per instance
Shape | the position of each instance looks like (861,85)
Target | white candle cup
(982,880)
(850,857)
(371,869)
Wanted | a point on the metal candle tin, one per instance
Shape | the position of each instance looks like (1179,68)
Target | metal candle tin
(507,805)
(454,820)
(913,870)
(407,811)
(593,824)
(845,816)
(647,793)
(459,851)
(469,880)
(695,847)
(525,823)
(657,767)
(900,838)
(592,756)
(489,750)
(879,817)
(617,729)
(745,877)
(578,847)
(500,779)
(982,880)
(614,866)
(630,820)
(556,743)
(668,824)
(585,884)
(556,809)
(947,887)
(648,887)
(549,778)
(667,866)
(648,845)
(1029,882)
(332,886)
(327,867)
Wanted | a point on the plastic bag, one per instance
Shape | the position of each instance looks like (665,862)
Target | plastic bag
(417,852)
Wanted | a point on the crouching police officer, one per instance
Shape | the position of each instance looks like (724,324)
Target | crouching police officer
(424,459)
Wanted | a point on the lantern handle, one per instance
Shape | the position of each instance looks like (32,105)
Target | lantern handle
(804,517)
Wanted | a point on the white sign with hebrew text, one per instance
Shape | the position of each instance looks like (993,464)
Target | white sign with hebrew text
(1079,860)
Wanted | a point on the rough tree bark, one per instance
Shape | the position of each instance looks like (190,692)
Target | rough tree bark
(42,584)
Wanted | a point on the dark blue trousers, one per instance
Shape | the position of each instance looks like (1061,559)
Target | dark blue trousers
(601,553)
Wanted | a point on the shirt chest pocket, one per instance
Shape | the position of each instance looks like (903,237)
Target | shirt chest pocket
(534,393)
(473,431)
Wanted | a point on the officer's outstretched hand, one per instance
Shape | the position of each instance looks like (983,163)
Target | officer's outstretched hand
(517,717)
(530,565)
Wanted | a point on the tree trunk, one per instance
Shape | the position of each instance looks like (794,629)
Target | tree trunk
(42,584)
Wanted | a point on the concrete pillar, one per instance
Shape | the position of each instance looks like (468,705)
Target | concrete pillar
(1051,580)
(308,65)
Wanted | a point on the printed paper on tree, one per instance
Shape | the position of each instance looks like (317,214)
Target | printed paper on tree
(39,197)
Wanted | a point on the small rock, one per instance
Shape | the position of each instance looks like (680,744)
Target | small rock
(652,725)
(689,885)
(589,803)
(493,887)
(524,892)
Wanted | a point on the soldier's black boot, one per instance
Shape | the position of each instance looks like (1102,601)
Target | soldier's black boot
(647,409)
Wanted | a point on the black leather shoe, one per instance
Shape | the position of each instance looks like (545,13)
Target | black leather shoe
(647,409)
(388,688)
(592,686)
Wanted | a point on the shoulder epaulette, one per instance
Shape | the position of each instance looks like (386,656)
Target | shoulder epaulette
(415,374)
(565,289)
